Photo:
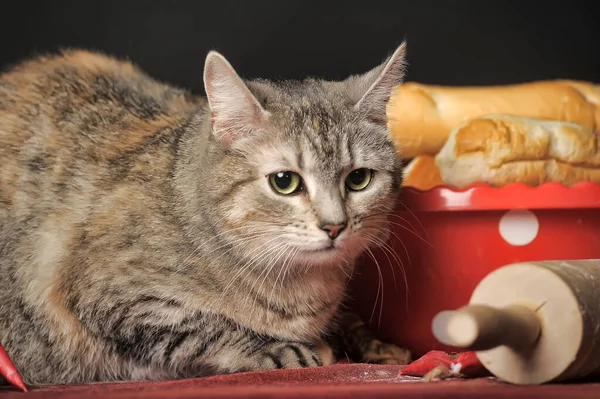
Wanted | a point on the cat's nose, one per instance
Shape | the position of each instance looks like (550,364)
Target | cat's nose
(333,229)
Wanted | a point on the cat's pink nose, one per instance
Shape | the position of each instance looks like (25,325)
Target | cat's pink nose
(333,230)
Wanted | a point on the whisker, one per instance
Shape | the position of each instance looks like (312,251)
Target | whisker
(381,244)
(379,290)
(266,250)
(253,264)
(382,220)
(284,269)
(378,224)
(413,214)
(267,271)
(206,243)
(234,242)
(387,248)
(389,217)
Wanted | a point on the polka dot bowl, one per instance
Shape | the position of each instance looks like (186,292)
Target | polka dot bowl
(444,241)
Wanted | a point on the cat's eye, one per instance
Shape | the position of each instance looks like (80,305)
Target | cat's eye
(359,179)
(286,183)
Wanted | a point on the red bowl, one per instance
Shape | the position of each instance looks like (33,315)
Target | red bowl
(444,241)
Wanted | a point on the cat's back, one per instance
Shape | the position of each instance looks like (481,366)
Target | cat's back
(59,112)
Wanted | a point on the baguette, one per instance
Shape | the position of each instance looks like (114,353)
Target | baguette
(422,173)
(502,149)
(420,117)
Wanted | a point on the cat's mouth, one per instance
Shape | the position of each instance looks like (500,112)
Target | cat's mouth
(334,252)
(323,250)
(331,246)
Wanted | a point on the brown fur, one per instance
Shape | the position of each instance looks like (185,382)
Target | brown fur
(134,239)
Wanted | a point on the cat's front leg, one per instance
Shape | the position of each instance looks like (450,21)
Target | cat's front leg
(355,340)
(292,355)
(152,347)
(232,354)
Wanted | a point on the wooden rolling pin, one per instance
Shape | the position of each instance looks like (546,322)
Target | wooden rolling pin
(531,322)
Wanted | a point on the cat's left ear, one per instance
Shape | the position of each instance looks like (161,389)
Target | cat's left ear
(371,91)
(235,112)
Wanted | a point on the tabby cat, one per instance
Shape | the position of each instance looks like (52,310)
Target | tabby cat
(147,233)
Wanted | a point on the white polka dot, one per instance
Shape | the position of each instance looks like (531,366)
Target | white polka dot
(519,227)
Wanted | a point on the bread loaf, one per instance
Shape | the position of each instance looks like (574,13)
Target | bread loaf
(502,149)
(422,173)
(420,117)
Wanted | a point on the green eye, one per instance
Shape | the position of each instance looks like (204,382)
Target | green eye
(285,183)
(359,179)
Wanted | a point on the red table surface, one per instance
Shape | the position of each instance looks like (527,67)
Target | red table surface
(338,381)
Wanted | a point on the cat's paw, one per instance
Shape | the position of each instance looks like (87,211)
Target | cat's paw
(364,345)
(325,353)
(379,352)
(292,355)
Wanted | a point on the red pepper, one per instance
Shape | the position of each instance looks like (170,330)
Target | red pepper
(426,363)
(9,371)
(465,364)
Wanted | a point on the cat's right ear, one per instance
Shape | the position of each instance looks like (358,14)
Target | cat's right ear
(235,112)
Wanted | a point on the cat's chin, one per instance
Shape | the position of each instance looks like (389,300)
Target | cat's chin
(330,255)
(322,257)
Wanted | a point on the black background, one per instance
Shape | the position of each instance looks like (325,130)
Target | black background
(454,42)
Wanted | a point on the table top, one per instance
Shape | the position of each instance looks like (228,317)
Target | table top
(338,381)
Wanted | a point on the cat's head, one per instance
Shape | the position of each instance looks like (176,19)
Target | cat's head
(307,169)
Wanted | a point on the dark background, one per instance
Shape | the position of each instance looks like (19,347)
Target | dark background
(454,42)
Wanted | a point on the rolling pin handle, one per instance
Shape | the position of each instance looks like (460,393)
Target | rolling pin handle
(482,327)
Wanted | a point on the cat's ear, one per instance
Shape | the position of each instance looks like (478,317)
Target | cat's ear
(235,112)
(371,91)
